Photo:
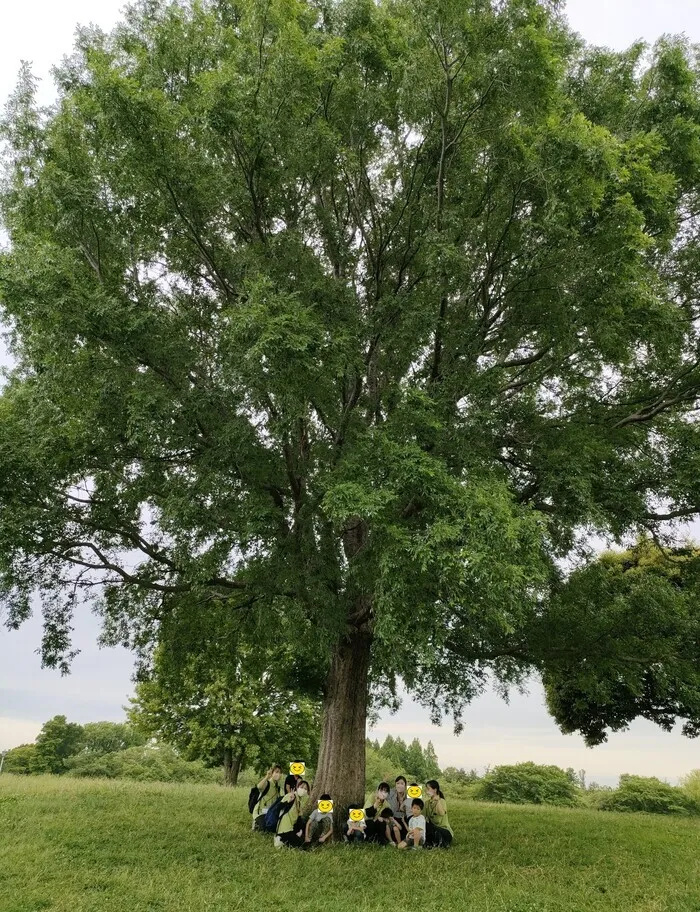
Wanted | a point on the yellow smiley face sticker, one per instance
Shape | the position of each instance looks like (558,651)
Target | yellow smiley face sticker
(357,814)
(297,769)
(414,791)
(325,807)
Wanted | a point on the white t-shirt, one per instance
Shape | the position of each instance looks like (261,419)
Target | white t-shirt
(417,823)
(357,824)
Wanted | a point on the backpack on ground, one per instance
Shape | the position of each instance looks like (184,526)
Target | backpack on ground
(255,796)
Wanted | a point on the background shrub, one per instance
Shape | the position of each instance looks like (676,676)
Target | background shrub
(595,795)
(528,783)
(646,793)
(691,786)
(155,763)
(20,760)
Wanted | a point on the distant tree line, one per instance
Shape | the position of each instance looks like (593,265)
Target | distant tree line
(394,756)
(122,750)
(60,744)
(164,739)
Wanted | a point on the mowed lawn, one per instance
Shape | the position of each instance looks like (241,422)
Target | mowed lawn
(74,845)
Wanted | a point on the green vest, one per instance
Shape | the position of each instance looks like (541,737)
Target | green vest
(271,795)
(287,823)
(384,804)
(439,820)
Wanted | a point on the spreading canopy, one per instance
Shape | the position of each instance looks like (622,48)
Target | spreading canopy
(218,699)
(634,616)
(348,316)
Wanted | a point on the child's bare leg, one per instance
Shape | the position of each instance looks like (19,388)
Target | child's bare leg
(397,833)
(416,837)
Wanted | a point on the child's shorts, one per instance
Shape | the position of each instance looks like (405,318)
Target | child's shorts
(319,828)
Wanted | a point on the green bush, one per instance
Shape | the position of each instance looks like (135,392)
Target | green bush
(459,783)
(646,793)
(20,760)
(157,763)
(110,737)
(460,790)
(595,795)
(459,776)
(691,786)
(527,783)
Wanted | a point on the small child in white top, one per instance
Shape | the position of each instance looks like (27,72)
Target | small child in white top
(416,826)
(356,824)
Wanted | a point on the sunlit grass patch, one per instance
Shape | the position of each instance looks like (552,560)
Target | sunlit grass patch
(102,846)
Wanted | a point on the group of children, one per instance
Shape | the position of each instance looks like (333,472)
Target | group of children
(396,816)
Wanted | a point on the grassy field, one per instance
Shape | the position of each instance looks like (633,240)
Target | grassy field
(96,846)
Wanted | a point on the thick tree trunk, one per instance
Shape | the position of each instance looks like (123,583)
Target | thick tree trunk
(341,761)
(228,766)
(232,766)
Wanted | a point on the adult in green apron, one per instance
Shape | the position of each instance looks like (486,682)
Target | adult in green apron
(270,790)
(290,828)
(438,830)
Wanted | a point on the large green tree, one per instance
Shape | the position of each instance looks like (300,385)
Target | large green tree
(56,742)
(350,316)
(109,737)
(225,701)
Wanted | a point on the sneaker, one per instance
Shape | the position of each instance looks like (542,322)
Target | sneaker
(278,842)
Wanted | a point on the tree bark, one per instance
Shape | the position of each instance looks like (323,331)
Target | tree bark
(228,766)
(341,761)
(232,766)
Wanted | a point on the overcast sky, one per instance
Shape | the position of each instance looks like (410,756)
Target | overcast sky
(41,31)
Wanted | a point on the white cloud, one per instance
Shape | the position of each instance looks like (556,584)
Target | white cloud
(618,23)
(497,733)
(42,31)
(17,731)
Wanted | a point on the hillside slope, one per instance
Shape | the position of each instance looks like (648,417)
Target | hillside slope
(95,846)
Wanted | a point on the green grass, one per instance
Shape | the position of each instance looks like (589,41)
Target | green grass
(72,845)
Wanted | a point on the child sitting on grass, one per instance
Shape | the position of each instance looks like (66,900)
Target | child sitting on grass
(416,826)
(356,826)
(320,825)
(392,830)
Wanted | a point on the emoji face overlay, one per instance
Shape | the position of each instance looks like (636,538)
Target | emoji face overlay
(297,769)
(414,791)
(357,814)
(325,807)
